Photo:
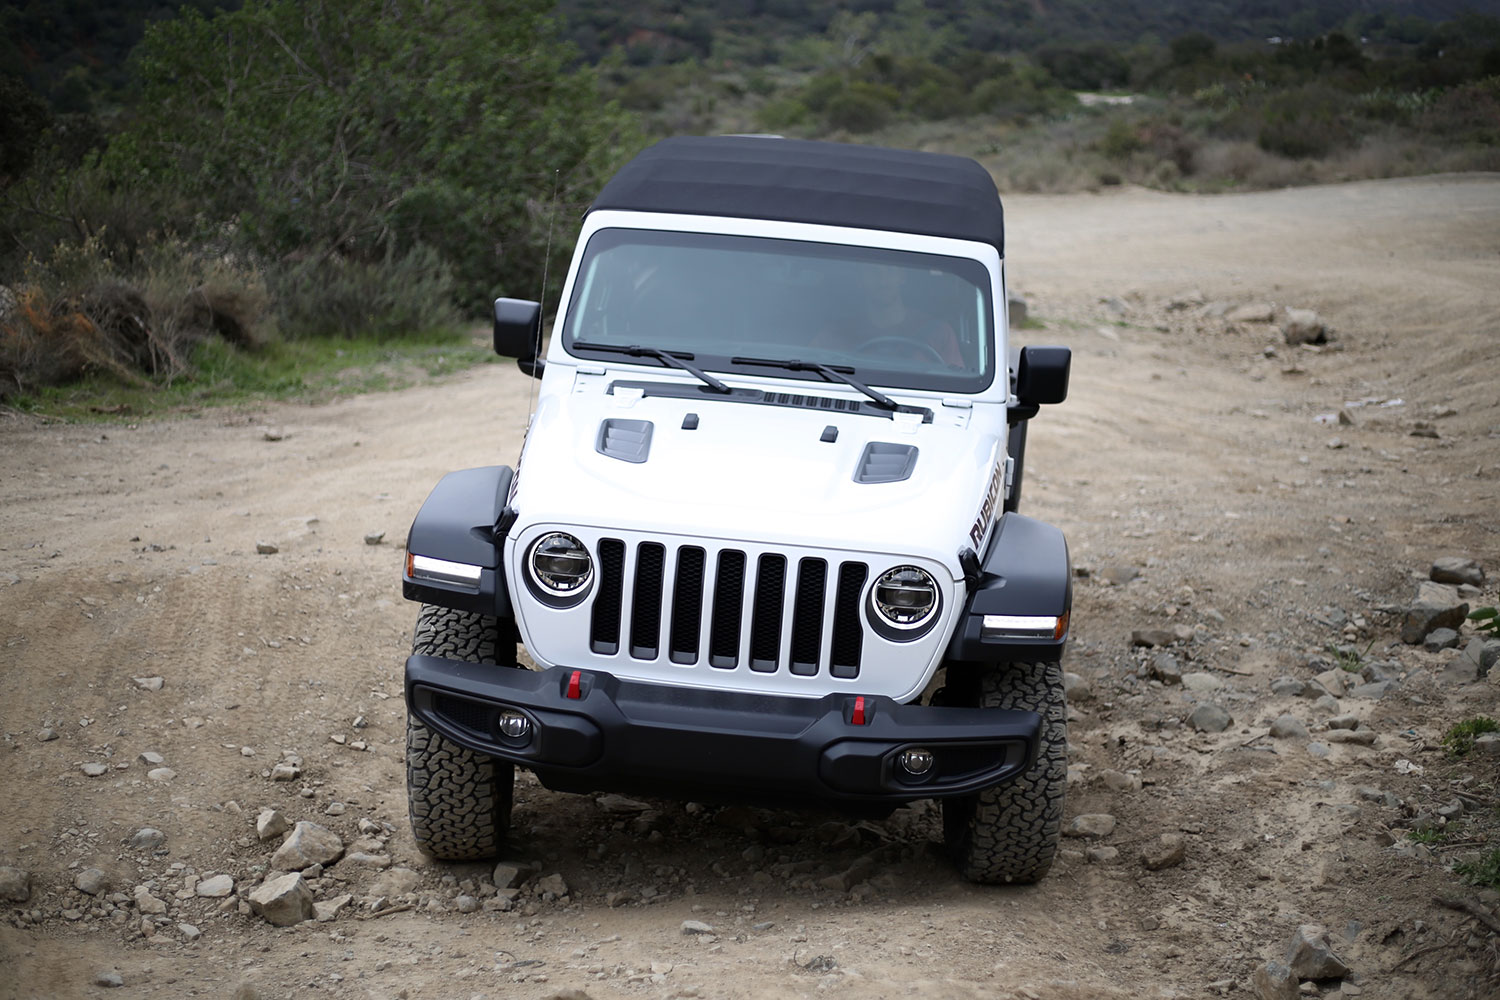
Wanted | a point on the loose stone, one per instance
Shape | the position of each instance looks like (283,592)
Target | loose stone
(284,901)
(1289,727)
(696,927)
(1310,955)
(309,844)
(270,823)
(1091,826)
(15,884)
(1210,719)
(94,769)
(147,839)
(216,887)
(92,881)
(1166,851)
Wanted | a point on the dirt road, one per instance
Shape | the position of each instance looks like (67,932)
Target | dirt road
(1198,487)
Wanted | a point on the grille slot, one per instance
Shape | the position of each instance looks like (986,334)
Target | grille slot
(765,623)
(687,605)
(848,637)
(604,637)
(462,712)
(645,613)
(807,616)
(729,597)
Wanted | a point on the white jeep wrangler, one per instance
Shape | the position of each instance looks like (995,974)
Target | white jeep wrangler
(762,541)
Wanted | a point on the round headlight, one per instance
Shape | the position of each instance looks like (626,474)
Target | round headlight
(560,565)
(905,598)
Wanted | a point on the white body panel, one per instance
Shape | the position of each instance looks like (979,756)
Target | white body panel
(756,479)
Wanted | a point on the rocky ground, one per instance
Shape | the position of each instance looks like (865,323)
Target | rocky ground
(203,635)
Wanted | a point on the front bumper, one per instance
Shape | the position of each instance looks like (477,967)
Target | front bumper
(614,734)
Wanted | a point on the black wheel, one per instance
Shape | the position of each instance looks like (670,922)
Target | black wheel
(1009,833)
(459,800)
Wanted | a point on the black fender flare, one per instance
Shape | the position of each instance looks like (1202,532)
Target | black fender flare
(1027,573)
(460,524)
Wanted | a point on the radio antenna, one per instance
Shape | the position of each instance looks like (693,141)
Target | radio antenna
(536,347)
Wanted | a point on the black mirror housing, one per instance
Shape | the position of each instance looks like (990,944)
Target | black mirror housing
(1042,375)
(518,328)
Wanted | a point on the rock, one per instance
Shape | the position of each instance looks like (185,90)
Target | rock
(15,885)
(1317,749)
(1289,727)
(1253,312)
(335,809)
(328,909)
(1091,826)
(1201,680)
(374,537)
(92,881)
(1166,851)
(1118,576)
(1015,305)
(553,884)
(1435,606)
(363,859)
(1310,955)
(1440,639)
(619,805)
(189,932)
(1274,981)
(1075,688)
(148,683)
(1335,682)
(466,904)
(1289,687)
(216,887)
(1381,670)
(109,979)
(1152,637)
(1457,569)
(283,901)
(1210,718)
(1482,653)
(1303,326)
(94,769)
(46,734)
(1374,691)
(266,548)
(1119,781)
(697,927)
(285,772)
(151,757)
(308,844)
(1359,737)
(1487,745)
(147,839)
(1325,704)
(162,774)
(147,903)
(1165,669)
(270,823)
(514,874)
(1350,721)
(396,882)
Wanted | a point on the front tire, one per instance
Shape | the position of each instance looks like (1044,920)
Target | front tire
(1009,833)
(459,800)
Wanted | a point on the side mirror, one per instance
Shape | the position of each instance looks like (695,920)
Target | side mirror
(1042,375)
(518,332)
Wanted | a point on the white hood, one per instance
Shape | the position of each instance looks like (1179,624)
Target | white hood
(753,471)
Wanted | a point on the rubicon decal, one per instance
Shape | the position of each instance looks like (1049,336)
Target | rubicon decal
(987,509)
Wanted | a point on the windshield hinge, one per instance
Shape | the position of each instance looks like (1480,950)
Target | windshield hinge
(592,370)
(958,403)
(1010,473)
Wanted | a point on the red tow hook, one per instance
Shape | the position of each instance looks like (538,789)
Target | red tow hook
(857,717)
(575,685)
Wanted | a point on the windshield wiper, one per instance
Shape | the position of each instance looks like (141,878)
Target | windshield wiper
(832,373)
(672,359)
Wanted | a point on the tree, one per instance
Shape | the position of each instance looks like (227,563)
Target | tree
(366,128)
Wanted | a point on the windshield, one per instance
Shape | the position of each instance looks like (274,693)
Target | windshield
(898,318)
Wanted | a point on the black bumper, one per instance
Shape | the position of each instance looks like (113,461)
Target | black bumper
(653,738)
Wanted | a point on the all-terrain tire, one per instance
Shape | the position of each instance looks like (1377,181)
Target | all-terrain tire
(459,800)
(1009,833)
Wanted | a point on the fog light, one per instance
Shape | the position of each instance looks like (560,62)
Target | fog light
(916,762)
(514,725)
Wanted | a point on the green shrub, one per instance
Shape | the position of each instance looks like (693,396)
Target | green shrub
(1459,739)
(333,295)
(1484,872)
(860,107)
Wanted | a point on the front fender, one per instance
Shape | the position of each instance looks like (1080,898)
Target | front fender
(1027,577)
(453,549)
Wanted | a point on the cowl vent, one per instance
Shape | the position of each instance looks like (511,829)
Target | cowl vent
(627,440)
(883,462)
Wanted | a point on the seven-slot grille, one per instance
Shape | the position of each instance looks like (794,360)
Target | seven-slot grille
(729,610)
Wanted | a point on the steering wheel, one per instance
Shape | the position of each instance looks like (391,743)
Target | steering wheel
(913,347)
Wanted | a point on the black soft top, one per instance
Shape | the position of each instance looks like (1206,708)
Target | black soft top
(794,180)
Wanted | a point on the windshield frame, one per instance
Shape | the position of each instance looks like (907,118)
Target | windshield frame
(816,243)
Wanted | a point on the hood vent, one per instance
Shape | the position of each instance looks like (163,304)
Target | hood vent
(627,440)
(885,463)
